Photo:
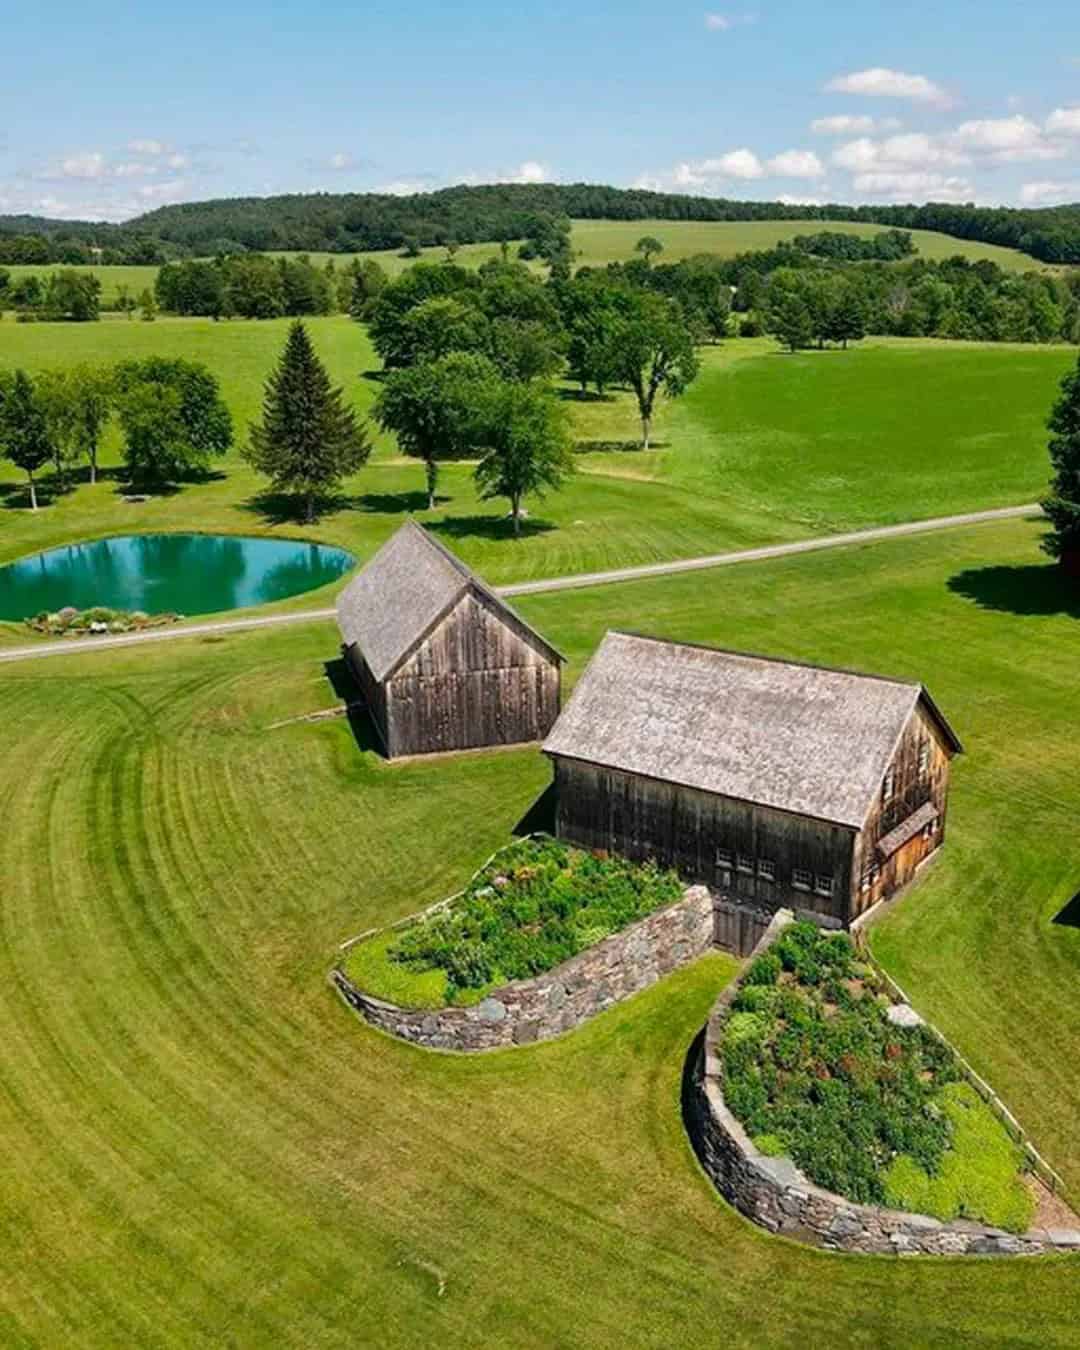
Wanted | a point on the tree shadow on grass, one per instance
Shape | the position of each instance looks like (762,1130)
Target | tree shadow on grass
(286,508)
(584,396)
(1032,589)
(616,447)
(395,503)
(488,527)
(1069,917)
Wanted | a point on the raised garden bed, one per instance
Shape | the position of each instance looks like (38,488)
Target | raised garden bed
(71,622)
(533,907)
(819,1065)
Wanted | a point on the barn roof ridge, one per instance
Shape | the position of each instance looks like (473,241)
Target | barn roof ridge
(805,739)
(402,592)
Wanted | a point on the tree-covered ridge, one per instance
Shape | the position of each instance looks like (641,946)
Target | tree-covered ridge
(351,222)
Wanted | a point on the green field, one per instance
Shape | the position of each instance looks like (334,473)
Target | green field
(212,1150)
(765,447)
(598,242)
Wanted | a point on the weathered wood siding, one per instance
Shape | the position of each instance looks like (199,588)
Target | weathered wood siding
(918,777)
(479,678)
(728,844)
(374,693)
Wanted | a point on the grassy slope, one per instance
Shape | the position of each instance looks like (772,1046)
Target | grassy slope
(598,242)
(211,1148)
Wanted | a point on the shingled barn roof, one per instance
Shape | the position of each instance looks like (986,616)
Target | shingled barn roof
(398,597)
(804,739)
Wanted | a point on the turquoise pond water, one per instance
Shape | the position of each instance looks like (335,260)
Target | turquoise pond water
(182,573)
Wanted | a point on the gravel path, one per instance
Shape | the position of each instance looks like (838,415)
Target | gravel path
(69,646)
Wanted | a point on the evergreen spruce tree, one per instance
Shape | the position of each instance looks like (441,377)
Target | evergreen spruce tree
(307,440)
(1063,504)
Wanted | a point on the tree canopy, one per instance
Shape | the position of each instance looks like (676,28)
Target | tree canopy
(193,425)
(1062,506)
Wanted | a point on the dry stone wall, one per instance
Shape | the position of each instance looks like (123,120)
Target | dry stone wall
(775,1193)
(563,998)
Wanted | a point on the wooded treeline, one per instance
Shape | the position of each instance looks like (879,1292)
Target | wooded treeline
(352,222)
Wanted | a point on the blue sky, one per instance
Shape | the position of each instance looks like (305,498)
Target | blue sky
(108,109)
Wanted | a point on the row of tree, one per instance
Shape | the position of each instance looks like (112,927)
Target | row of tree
(169,411)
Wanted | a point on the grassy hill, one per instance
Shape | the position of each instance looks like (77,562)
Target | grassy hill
(212,1149)
(598,242)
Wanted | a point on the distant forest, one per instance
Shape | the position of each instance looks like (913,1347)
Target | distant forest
(353,222)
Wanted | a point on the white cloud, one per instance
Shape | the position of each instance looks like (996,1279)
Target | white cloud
(717,23)
(796,164)
(1006,139)
(341,159)
(1063,122)
(880,82)
(741,163)
(843,124)
(178,161)
(403,187)
(900,186)
(786,199)
(1047,193)
(89,164)
(530,171)
(146,146)
(157,191)
(913,149)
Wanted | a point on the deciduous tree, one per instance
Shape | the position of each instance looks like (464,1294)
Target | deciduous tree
(308,440)
(24,432)
(195,423)
(649,247)
(527,436)
(652,349)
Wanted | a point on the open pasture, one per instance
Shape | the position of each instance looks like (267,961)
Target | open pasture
(765,447)
(213,1149)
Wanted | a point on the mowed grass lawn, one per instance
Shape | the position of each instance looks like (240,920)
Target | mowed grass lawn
(205,1147)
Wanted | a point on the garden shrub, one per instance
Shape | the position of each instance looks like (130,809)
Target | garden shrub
(764,969)
(533,907)
(869,1110)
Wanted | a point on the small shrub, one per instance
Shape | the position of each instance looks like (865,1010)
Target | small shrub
(764,969)
(771,1145)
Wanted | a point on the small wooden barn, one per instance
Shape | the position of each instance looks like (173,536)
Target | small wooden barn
(778,784)
(443,663)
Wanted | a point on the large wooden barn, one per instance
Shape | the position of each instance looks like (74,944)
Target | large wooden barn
(442,662)
(778,784)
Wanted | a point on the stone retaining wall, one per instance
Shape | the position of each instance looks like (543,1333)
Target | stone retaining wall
(775,1193)
(549,1004)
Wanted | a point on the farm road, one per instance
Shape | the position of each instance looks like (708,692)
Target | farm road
(71,647)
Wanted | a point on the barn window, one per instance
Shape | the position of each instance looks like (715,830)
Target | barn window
(888,788)
(823,883)
(766,869)
(746,863)
(869,876)
(801,879)
(924,758)
(723,857)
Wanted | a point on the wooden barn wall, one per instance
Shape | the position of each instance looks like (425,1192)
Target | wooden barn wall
(692,831)
(479,678)
(911,789)
(373,691)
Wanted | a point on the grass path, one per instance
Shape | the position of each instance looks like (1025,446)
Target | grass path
(212,1150)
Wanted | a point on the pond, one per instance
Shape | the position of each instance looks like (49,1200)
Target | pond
(159,573)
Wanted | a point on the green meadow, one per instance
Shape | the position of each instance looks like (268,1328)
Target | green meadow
(765,447)
(213,1150)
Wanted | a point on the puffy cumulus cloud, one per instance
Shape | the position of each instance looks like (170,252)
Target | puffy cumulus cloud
(880,82)
(403,187)
(1064,122)
(89,164)
(741,163)
(913,185)
(1006,139)
(530,171)
(853,124)
(897,153)
(1047,192)
(787,199)
(796,164)
(721,23)
(340,160)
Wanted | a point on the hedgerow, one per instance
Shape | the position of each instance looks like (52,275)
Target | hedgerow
(534,906)
(813,1066)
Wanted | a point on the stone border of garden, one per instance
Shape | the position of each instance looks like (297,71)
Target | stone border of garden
(548,1005)
(775,1194)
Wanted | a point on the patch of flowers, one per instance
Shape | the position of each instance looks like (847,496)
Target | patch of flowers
(71,622)
(534,906)
(814,1068)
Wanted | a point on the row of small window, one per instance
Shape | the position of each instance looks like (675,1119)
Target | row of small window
(888,787)
(823,883)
